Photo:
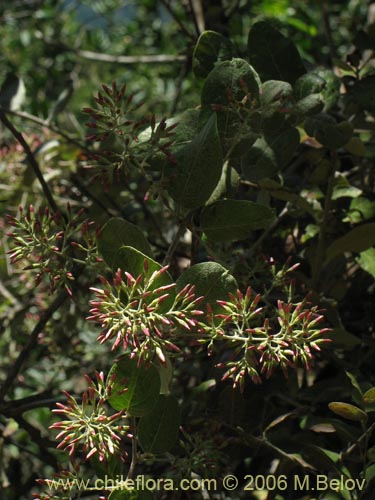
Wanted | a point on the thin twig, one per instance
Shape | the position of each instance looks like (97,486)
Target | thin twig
(210,251)
(269,230)
(12,408)
(85,191)
(32,342)
(44,124)
(172,247)
(31,158)
(133,462)
(197,11)
(145,59)
(346,453)
(172,13)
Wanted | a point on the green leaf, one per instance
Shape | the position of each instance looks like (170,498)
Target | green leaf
(142,386)
(357,394)
(133,261)
(369,396)
(370,470)
(211,280)
(343,188)
(204,386)
(211,48)
(322,458)
(356,147)
(278,191)
(326,131)
(117,233)
(348,411)
(158,430)
(360,209)
(279,420)
(366,260)
(274,56)
(229,82)
(308,106)
(232,220)
(270,154)
(276,92)
(230,78)
(331,92)
(342,339)
(199,163)
(228,181)
(187,127)
(357,240)
(276,102)
(308,84)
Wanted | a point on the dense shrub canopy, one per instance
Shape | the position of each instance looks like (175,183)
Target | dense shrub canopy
(187,263)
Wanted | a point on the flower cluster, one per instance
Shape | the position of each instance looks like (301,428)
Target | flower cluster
(286,337)
(89,426)
(144,313)
(113,123)
(64,482)
(44,240)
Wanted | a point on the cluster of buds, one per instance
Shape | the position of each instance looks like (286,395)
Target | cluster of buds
(113,120)
(64,482)
(89,426)
(286,338)
(144,314)
(45,241)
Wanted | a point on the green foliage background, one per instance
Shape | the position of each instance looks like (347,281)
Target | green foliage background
(309,178)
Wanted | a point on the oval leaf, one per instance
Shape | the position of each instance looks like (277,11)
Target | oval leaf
(117,233)
(135,389)
(331,91)
(232,220)
(230,80)
(357,240)
(270,154)
(348,411)
(158,430)
(369,396)
(211,280)
(198,164)
(273,56)
(326,131)
(366,260)
(211,47)
(228,83)
(310,83)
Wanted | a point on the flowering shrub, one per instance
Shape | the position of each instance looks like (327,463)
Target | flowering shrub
(216,248)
